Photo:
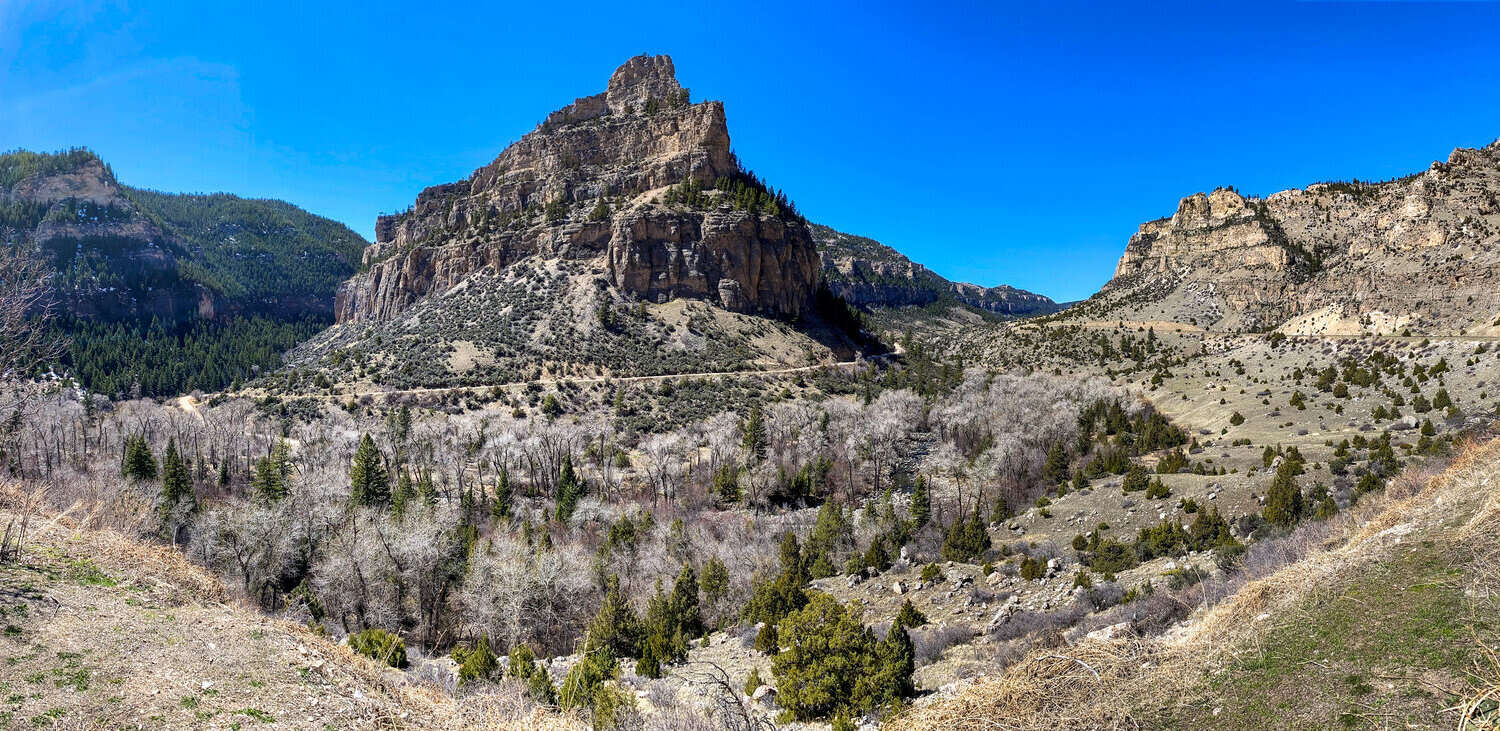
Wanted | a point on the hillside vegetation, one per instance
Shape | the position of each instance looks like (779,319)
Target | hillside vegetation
(1386,617)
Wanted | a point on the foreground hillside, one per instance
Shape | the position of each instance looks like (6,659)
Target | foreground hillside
(161,293)
(101,631)
(1387,620)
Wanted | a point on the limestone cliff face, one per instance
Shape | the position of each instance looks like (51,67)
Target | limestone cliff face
(1419,253)
(593,182)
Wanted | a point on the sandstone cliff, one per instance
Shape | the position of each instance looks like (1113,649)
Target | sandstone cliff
(1421,253)
(867,273)
(637,179)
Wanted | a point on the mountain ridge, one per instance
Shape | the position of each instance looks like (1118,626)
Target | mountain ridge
(867,273)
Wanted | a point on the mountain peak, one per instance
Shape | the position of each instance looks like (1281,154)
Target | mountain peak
(640,80)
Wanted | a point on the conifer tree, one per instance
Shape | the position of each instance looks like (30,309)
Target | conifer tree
(272,472)
(921,503)
(501,507)
(715,579)
(908,616)
(137,462)
(753,433)
(615,629)
(569,490)
(367,475)
(1284,499)
(1055,470)
(176,483)
(401,496)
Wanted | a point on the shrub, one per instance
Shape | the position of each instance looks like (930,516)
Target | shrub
(967,540)
(753,682)
(932,573)
(380,645)
(833,663)
(477,663)
(908,616)
(1236,419)
(538,684)
(765,639)
(1158,490)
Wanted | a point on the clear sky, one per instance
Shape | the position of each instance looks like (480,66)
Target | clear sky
(1017,143)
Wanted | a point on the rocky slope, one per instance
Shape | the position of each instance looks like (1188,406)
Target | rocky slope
(1421,253)
(867,273)
(594,183)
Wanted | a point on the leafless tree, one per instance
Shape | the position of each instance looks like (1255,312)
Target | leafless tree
(24,306)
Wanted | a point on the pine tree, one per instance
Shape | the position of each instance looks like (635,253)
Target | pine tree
(967,539)
(367,475)
(1055,471)
(501,507)
(890,677)
(715,579)
(1284,499)
(176,483)
(569,490)
(137,463)
(402,495)
(272,472)
(615,629)
(921,503)
(908,616)
(753,433)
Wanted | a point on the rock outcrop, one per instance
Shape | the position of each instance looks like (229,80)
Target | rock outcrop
(630,178)
(1421,253)
(867,273)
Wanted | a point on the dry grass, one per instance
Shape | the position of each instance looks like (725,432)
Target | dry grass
(1481,711)
(1100,685)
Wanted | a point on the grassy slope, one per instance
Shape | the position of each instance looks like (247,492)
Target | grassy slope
(1393,644)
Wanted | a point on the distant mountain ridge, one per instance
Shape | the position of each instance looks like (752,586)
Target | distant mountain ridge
(161,293)
(125,253)
(867,273)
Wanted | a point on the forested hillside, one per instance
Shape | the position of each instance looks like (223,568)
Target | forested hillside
(157,293)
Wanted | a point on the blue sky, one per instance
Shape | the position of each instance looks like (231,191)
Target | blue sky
(993,142)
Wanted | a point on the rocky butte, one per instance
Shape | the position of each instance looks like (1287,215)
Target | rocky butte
(636,178)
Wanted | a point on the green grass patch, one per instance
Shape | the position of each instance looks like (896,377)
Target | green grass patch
(258,715)
(1339,659)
